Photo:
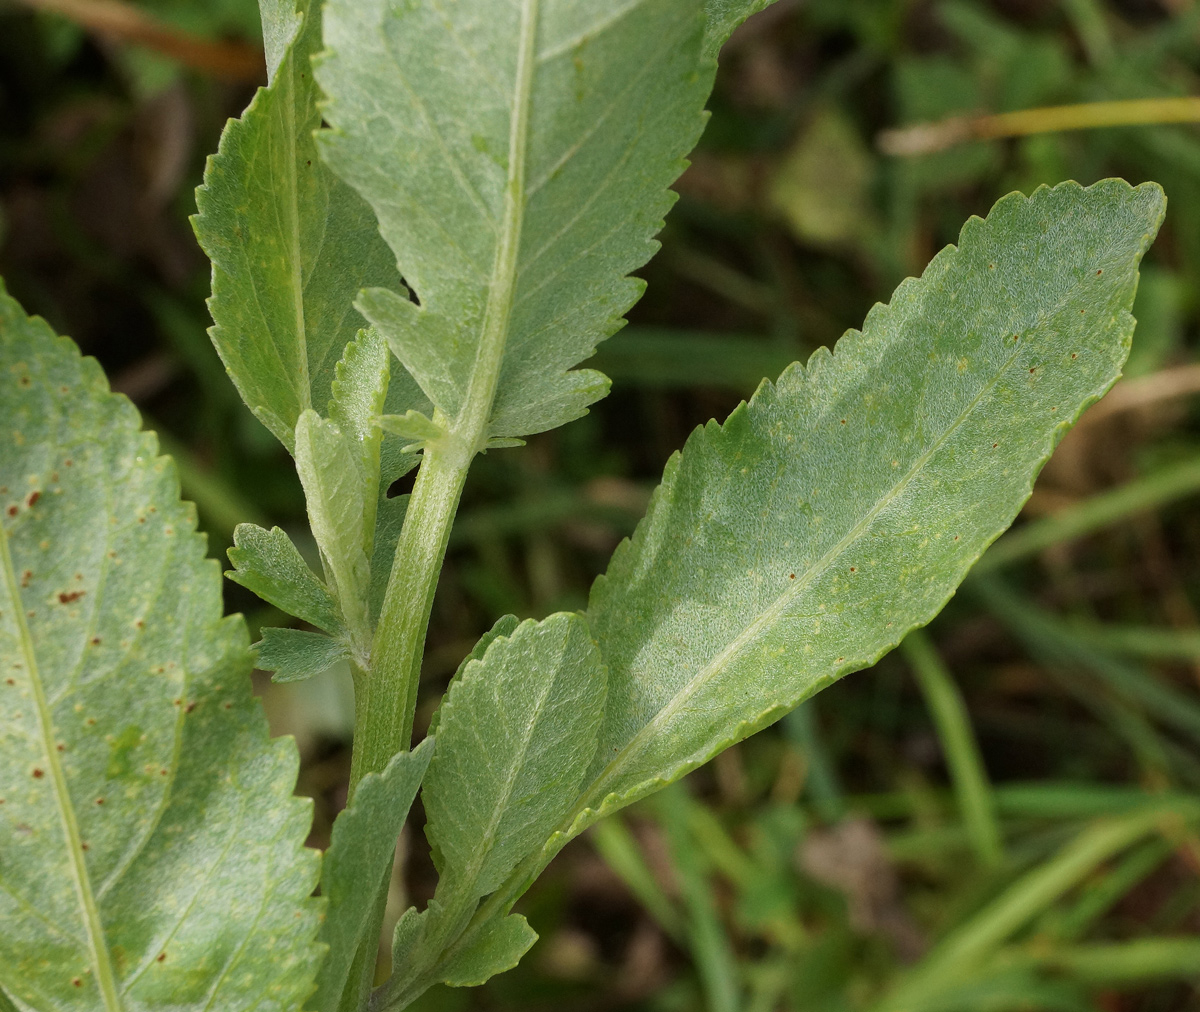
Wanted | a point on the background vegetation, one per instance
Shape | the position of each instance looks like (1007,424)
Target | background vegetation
(879,848)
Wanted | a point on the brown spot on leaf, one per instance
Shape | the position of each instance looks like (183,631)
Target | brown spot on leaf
(12,511)
(161,957)
(68,596)
(38,773)
(33,498)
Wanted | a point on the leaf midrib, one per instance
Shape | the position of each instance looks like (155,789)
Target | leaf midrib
(524,740)
(105,975)
(766,619)
(293,207)
(471,424)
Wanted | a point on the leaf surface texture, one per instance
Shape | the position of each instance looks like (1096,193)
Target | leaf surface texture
(840,508)
(290,243)
(151,853)
(518,178)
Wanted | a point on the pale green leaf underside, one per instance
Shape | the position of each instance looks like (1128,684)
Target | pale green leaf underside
(151,853)
(361,849)
(267,563)
(296,654)
(804,537)
(515,736)
(613,100)
(497,948)
(290,243)
(329,464)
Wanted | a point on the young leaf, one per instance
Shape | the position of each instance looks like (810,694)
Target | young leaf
(330,470)
(515,735)
(152,851)
(359,390)
(496,949)
(518,178)
(504,626)
(359,854)
(290,243)
(267,563)
(295,654)
(842,506)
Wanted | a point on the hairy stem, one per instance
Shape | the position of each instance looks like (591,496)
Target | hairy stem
(387,694)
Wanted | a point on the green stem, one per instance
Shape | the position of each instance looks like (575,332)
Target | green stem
(971,786)
(387,695)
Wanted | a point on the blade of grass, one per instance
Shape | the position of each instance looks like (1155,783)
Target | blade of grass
(1159,644)
(1138,496)
(821,781)
(1058,641)
(712,952)
(972,788)
(962,951)
(1126,963)
(1097,897)
(926,138)
(620,851)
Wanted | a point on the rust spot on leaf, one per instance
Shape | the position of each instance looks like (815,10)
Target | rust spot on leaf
(38,773)
(33,498)
(68,596)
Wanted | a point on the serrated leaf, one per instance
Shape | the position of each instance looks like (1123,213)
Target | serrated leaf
(505,626)
(267,563)
(290,243)
(518,179)
(515,736)
(496,949)
(152,851)
(842,506)
(330,470)
(360,852)
(296,654)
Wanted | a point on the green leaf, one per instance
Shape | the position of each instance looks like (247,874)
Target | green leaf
(496,949)
(359,391)
(267,563)
(504,626)
(518,178)
(515,735)
(290,243)
(841,507)
(360,852)
(330,470)
(295,654)
(152,851)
